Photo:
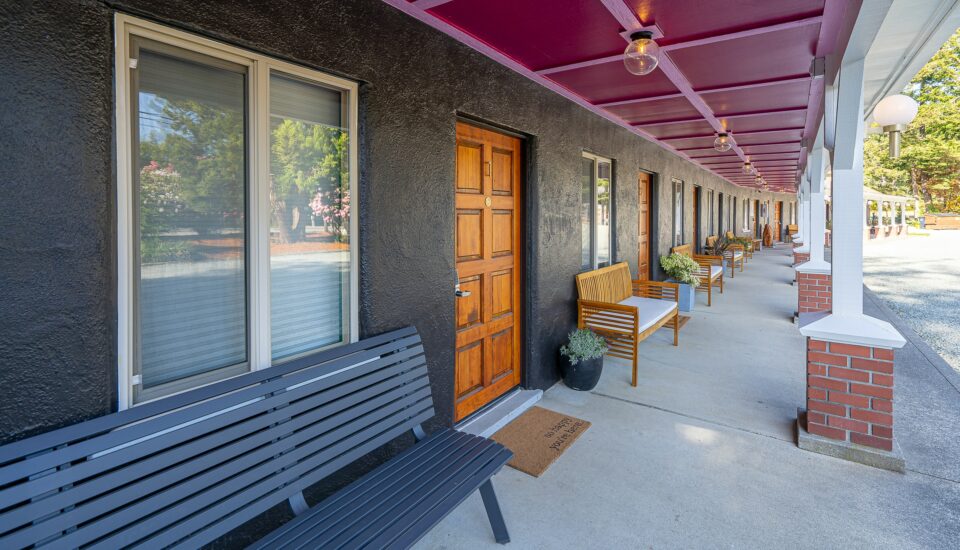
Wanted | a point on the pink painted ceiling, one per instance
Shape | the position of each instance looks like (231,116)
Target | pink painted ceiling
(740,66)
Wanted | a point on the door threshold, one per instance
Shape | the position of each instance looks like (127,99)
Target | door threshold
(499,413)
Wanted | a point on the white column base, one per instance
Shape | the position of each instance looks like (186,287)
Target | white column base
(861,330)
(816,267)
(802,249)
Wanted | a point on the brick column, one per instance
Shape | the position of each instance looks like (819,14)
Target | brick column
(800,257)
(814,292)
(850,393)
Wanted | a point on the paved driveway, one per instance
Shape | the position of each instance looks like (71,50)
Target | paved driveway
(919,278)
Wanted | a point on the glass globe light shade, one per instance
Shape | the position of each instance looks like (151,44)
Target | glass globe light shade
(747,167)
(895,110)
(642,54)
(722,143)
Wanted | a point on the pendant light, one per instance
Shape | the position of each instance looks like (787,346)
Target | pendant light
(747,167)
(642,54)
(722,143)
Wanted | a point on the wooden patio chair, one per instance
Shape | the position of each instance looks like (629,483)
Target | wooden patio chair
(711,270)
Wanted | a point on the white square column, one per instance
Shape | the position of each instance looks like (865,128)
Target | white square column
(847,323)
(814,241)
(803,218)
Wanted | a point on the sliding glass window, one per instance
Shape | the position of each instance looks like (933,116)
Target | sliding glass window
(235,189)
(597,242)
(677,203)
(711,207)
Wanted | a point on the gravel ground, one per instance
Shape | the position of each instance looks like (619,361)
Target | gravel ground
(919,278)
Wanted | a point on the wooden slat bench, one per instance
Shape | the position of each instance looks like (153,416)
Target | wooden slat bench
(734,255)
(747,248)
(182,471)
(625,312)
(711,270)
(792,230)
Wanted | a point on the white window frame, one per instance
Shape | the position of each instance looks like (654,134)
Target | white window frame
(677,188)
(594,260)
(259,68)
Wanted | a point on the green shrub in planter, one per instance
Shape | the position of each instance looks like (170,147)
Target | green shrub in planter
(745,242)
(583,344)
(681,268)
(584,353)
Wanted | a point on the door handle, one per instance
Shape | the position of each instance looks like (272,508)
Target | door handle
(456,288)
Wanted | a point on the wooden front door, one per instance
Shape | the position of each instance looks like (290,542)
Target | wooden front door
(488,261)
(777,206)
(643,231)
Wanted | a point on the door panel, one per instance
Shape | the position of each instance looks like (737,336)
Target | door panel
(487,253)
(643,235)
(776,220)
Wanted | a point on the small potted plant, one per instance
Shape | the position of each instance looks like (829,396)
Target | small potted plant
(683,270)
(583,354)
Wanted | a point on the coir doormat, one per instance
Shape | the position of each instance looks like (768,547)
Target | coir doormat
(538,437)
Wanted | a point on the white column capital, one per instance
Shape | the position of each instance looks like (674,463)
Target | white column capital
(861,330)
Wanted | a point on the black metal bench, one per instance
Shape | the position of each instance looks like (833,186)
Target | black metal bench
(182,471)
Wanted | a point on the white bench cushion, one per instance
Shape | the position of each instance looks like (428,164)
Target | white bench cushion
(736,255)
(649,310)
(715,271)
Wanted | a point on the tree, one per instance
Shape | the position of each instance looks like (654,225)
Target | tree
(204,145)
(309,173)
(202,148)
(929,164)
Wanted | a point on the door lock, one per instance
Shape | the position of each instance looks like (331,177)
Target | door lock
(456,288)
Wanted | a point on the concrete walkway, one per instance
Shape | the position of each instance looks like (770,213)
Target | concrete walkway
(702,454)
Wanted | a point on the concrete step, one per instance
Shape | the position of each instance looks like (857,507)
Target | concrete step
(499,413)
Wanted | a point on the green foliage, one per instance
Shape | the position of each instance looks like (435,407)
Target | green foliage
(583,344)
(745,242)
(205,147)
(681,268)
(155,250)
(720,246)
(308,163)
(929,163)
(196,168)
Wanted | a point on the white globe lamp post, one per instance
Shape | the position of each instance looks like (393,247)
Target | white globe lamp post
(893,113)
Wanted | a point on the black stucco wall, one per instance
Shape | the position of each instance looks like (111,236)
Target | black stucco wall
(57,206)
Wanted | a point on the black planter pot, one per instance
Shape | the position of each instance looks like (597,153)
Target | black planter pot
(584,375)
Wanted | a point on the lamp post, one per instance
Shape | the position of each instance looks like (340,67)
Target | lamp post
(893,113)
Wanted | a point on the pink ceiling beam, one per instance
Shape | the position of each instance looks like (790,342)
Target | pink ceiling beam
(628,17)
(429,4)
(734,115)
(628,20)
(631,101)
(729,88)
(755,85)
(723,162)
(787,25)
(669,121)
(789,142)
(581,64)
(420,14)
(710,148)
(623,14)
(750,133)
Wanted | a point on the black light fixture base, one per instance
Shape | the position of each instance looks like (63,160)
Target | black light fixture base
(636,35)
